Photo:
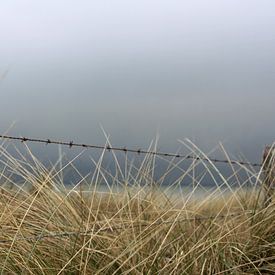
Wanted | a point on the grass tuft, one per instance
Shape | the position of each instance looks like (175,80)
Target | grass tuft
(135,225)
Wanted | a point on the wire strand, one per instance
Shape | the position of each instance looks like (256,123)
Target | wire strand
(130,150)
(38,237)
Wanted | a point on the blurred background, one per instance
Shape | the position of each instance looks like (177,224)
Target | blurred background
(203,70)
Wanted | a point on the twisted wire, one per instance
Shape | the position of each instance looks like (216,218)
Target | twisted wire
(126,150)
(38,237)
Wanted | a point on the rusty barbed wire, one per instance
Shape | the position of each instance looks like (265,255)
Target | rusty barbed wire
(38,237)
(126,150)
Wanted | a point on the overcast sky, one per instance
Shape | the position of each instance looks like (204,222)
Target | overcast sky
(198,69)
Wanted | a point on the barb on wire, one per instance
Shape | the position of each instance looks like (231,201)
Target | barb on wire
(124,149)
(97,229)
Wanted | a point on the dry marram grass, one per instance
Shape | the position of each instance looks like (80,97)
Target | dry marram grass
(142,229)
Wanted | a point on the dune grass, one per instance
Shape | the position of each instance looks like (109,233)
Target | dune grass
(141,229)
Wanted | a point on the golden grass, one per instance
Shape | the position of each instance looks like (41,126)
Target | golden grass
(142,229)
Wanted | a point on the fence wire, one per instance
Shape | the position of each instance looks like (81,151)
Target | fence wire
(97,229)
(71,144)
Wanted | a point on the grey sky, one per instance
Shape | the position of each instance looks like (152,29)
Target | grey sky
(199,69)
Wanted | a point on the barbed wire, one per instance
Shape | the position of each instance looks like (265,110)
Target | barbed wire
(126,150)
(38,237)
